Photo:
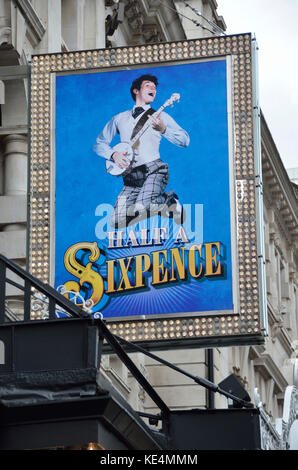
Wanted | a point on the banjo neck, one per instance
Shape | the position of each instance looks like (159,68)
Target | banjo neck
(175,97)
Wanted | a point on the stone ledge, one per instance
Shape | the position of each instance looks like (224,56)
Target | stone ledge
(32,19)
(163,376)
(192,396)
(13,209)
(17,129)
(13,244)
(270,370)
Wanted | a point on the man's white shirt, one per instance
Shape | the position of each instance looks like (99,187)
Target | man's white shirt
(148,149)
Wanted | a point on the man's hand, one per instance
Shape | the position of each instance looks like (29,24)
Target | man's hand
(120,159)
(158,124)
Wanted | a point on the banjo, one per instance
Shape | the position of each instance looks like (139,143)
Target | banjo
(130,146)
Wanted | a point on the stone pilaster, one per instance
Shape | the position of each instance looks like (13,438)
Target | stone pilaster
(13,229)
(5,29)
(15,165)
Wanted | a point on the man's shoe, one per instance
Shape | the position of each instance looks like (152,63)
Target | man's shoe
(175,209)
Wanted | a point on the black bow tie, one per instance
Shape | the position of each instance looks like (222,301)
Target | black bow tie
(137,111)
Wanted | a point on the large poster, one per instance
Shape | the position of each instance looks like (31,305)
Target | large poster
(145,192)
(144,228)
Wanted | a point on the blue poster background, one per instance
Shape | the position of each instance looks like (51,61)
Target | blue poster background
(199,174)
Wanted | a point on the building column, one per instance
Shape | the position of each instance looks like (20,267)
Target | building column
(5,29)
(15,165)
(100,15)
(13,230)
(1,172)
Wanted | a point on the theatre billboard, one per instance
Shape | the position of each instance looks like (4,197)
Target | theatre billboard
(151,218)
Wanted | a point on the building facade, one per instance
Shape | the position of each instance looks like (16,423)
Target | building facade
(48,26)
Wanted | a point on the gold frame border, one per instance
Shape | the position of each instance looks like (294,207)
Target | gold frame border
(227,327)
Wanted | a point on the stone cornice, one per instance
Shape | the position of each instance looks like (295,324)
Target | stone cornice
(277,183)
(150,21)
(272,315)
(269,369)
(21,129)
(284,339)
(35,24)
(5,36)
(278,331)
(219,20)
(278,218)
(256,351)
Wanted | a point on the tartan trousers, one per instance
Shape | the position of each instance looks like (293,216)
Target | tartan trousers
(143,193)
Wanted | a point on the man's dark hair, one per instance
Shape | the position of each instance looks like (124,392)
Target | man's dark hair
(136,84)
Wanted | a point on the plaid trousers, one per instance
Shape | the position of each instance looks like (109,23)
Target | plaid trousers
(143,191)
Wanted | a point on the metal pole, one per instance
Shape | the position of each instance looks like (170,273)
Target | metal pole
(199,380)
(112,340)
(210,362)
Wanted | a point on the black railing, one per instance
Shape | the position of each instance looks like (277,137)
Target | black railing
(30,286)
(56,301)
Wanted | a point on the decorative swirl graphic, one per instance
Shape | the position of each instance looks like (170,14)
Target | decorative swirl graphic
(88,277)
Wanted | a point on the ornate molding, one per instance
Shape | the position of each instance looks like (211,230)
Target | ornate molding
(277,185)
(275,329)
(295,380)
(270,438)
(276,436)
(274,237)
(242,378)
(112,375)
(278,330)
(151,22)
(5,36)
(32,19)
(292,273)
(218,19)
(135,19)
(269,369)
(277,204)
(289,413)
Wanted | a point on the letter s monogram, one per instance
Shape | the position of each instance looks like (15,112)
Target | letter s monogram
(86,274)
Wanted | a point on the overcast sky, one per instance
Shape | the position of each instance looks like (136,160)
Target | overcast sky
(275,24)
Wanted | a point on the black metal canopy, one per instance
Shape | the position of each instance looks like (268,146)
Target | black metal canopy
(54,395)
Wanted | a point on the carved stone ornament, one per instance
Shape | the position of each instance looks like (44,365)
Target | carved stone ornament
(5,36)
(276,436)
(275,329)
(275,239)
(294,355)
(270,438)
(296,373)
(289,413)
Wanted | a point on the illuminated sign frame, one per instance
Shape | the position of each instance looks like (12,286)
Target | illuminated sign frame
(247,323)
